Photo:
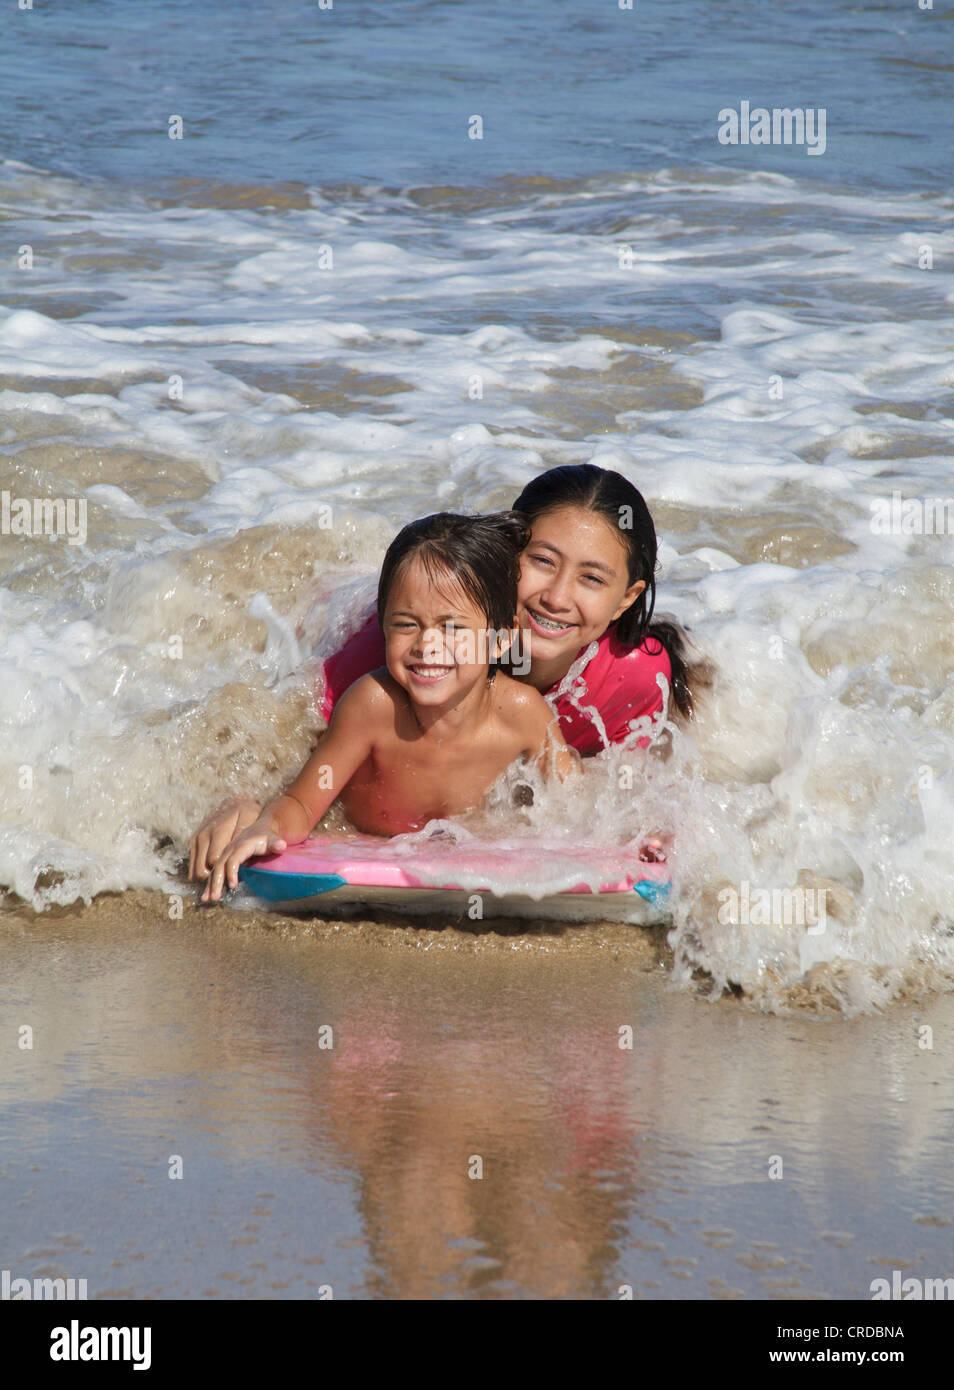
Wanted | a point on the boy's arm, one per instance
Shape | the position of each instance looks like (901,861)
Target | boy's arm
(345,745)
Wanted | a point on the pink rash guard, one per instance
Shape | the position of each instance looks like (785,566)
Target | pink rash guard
(612,692)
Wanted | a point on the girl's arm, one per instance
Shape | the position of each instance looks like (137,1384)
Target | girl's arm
(555,755)
(546,744)
(347,744)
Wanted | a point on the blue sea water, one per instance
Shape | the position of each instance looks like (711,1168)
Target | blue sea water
(366,92)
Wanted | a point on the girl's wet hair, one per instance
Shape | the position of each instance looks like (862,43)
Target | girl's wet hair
(614,497)
(480,554)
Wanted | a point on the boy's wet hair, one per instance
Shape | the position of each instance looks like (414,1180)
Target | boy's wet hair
(480,554)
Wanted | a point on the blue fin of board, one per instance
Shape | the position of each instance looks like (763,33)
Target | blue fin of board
(281,888)
(647,888)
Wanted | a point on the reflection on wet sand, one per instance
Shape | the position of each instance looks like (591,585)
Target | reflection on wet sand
(481,1147)
(475,1112)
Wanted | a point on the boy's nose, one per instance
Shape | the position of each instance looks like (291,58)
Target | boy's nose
(432,641)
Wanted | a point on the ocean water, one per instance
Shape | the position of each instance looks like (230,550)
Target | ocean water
(254,352)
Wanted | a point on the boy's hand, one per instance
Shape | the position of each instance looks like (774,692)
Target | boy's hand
(252,842)
(218,831)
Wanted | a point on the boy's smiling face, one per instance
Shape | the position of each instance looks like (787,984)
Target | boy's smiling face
(436,637)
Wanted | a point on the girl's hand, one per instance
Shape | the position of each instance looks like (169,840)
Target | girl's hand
(252,842)
(218,831)
(654,850)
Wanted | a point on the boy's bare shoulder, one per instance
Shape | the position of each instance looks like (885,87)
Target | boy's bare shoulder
(521,704)
(373,696)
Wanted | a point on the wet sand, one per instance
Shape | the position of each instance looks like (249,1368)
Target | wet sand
(423,1110)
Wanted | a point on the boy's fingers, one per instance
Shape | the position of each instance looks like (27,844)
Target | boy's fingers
(218,844)
(209,886)
(212,840)
(246,851)
(222,837)
(194,854)
(218,880)
(204,858)
(214,888)
(226,864)
(203,864)
(207,844)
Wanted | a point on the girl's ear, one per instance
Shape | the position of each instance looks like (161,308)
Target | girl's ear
(506,636)
(630,596)
(503,641)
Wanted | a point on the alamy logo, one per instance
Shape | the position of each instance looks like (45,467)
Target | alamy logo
(75,1343)
(912,1290)
(43,516)
(912,516)
(774,907)
(23,1289)
(483,647)
(783,125)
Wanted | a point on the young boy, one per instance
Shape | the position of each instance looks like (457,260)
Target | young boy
(424,737)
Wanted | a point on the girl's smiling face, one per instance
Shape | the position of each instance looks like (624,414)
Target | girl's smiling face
(574,581)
